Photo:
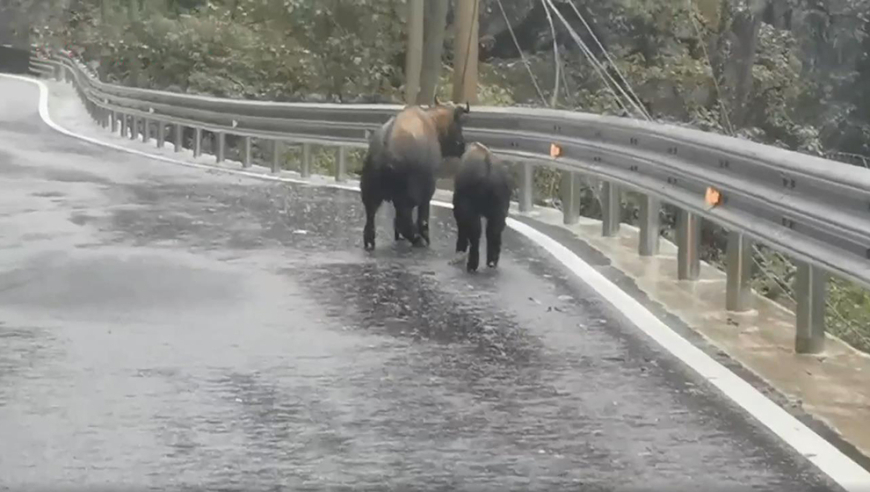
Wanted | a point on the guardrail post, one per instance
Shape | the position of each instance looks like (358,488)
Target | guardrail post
(277,152)
(341,164)
(221,146)
(527,186)
(738,267)
(610,209)
(197,142)
(649,226)
(58,72)
(810,297)
(146,130)
(688,246)
(179,140)
(161,134)
(113,121)
(246,153)
(570,191)
(124,125)
(306,160)
(134,127)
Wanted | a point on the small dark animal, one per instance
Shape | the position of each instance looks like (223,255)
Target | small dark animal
(482,187)
(400,166)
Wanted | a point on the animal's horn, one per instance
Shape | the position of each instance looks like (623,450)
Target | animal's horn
(467,107)
(437,102)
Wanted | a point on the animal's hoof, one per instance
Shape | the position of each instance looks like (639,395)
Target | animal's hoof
(420,242)
(471,268)
(369,246)
(492,264)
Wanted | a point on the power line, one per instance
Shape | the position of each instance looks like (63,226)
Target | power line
(522,56)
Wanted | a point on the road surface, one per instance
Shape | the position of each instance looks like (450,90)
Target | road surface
(172,328)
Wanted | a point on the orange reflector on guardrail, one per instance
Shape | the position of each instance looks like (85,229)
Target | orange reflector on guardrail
(713,196)
(555,150)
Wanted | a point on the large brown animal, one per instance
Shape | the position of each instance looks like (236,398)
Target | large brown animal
(400,166)
(481,188)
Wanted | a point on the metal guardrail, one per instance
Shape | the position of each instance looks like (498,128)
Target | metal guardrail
(816,211)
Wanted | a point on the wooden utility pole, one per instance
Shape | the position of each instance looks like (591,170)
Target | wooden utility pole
(433,46)
(465,49)
(414,55)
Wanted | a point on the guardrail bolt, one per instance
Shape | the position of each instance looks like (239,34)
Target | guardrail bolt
(688,246)
(649,226)
(738,268)
(611,208)
(810,297)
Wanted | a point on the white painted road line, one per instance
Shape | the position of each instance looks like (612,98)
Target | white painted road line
(830,460)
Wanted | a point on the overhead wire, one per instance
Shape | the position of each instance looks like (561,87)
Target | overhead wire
(522,55)
(607,56)
(556,58)
(599,68)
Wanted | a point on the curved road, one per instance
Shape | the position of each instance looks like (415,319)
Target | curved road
(180,329)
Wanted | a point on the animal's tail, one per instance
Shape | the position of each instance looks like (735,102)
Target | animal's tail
(487,157)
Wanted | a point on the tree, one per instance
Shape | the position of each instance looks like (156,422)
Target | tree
(435,20)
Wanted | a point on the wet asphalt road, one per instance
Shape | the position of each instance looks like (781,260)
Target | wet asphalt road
(169,328)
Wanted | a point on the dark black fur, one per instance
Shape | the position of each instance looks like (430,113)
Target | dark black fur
(482,188)
(400,166)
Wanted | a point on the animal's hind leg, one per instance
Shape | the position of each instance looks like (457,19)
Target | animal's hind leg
(423,221)
(405,222)
(460,216)
(494,229)
(474,239)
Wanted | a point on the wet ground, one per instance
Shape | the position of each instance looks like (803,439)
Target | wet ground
(169,328)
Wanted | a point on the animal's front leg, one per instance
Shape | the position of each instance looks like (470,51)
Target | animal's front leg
(494,229)
(372,201)
(474,238)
